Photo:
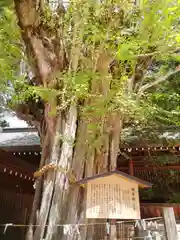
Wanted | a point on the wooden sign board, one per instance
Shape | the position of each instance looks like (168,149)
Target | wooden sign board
(112,197)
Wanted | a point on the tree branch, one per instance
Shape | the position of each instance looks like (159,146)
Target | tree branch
(28,20)
(44,49)
(141,66)
(160,80)
(169,50)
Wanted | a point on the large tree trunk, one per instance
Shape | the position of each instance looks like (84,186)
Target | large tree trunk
(62,202)
(65,138)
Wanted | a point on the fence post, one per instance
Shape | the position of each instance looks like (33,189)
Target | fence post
(170,223)
(113,233)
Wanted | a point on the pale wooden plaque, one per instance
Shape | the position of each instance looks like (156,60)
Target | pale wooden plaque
(112,197)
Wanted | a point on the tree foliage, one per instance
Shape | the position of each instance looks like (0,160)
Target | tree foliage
(139,40)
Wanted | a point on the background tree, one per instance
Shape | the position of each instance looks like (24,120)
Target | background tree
(91,73)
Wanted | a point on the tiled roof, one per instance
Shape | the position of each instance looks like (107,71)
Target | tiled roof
(8,139)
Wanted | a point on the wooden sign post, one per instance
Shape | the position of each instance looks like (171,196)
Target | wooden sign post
(113,232)
(113,195)
(112,198)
